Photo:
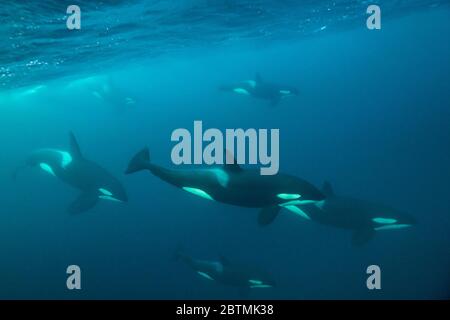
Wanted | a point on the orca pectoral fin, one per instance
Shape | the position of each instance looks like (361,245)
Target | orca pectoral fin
(327,189)
(362,236)
(84,202)
(267,215)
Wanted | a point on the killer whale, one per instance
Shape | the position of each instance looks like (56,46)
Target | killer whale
(232,185)
(71,167)
(260,89)
(363,218)
(225,272)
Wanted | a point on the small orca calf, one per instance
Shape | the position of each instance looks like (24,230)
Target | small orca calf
(231,184)
(364,218)
(260,89)
(230,274)
(71,167)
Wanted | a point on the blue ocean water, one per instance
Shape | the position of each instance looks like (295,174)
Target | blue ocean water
(372,117)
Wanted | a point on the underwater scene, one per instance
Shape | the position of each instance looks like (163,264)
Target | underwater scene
(225,149)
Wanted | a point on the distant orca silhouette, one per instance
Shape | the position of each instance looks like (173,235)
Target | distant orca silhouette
(71,167)
(364,218)
(105,89)
(231,184)
(260,89)
(222,271)
(113,95)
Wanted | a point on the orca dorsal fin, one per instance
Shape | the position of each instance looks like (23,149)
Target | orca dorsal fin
(258,78)
(74,147)
(231,162)
(224,261)
(327,189)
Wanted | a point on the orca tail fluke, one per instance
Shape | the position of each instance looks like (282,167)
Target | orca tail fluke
(84,202)
(139,162)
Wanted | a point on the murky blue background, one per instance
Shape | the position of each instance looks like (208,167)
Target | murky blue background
(372,117)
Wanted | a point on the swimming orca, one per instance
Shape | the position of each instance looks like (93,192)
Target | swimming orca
(364,218)
(229,273)
(260,89)
(111,94)
(71,167)
(231,184)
